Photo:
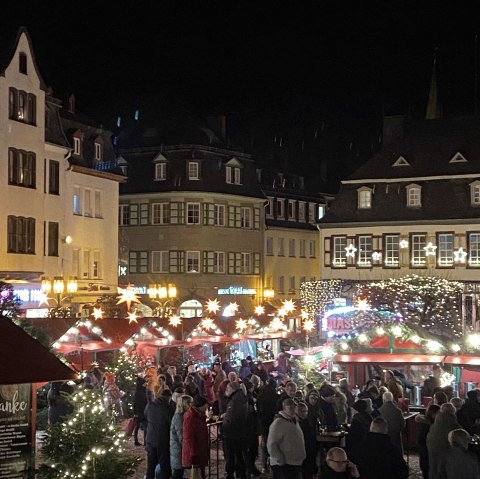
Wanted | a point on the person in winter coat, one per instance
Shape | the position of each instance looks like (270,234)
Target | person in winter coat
(424,421)
(359,428)
(437,440)
(469,415)
(460,463)
(196,448)
(344,387)
(219,376)
(285,444)
(159,415)
(342,410)
(395,420)
(266,403)
(315,414)
(176,436)
(208,382)
(58,405)
(139,405)
(378,458)
(252,432)
(234,432)
(309,466)
(289,391)
(261,372)
(326,403)
(338,466)
(393,385)
(112,395)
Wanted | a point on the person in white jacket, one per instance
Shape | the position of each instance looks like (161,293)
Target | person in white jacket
(285,443)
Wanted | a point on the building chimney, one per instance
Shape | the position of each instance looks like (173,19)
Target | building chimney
(71,103)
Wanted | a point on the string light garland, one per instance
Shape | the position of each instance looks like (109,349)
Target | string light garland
(75,333)
(317,296)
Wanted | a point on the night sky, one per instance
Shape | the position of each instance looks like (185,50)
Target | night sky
(282,68)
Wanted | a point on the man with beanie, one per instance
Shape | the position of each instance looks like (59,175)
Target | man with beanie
(286,444)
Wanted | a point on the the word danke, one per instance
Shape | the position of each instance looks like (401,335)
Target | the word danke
(14,405)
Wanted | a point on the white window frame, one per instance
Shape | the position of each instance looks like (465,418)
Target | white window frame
(219,262)
(301,211)
(192,262)
(312,211)
(98,151)
(475,193)
(246,263)
(161,171)
(98,204)
(391,250)
(245,217)
(77,145)
(237,176)
(339,255)
(87,202)
(219,211)
(160,262)
(364,198)
(291,210)
(123,214)
(191,207)
(365,250)
(160,213)
(193,170)
(445,248)
(269,246)
(280,209)
(303,248)
(474,249)
(312,246)
(417,250)
(291,247)
(77,200)
(414,196)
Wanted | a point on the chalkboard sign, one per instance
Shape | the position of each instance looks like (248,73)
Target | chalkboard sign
(15,431)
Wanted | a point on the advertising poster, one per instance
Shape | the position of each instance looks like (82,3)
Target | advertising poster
(15,431)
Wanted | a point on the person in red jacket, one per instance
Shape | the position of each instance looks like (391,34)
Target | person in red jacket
(208,381)
(196,448)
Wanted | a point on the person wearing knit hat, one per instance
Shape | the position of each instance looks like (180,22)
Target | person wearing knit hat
(359,428)
(199,401)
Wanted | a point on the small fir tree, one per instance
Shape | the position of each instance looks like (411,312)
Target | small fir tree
(87,444)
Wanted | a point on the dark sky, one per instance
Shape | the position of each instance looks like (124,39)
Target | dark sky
(288,64)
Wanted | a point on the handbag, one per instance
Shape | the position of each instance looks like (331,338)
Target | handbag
(195,473)
(130,426)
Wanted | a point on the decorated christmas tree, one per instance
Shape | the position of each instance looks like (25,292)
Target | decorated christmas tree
(87,445)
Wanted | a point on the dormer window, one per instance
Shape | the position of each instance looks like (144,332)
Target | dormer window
(161,171)
(193,170)
(414,196)
(364,198)
(77,146)
(98,151)
(22,63)
(233,172)
(475,193)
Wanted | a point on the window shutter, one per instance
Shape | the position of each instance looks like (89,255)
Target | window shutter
(256,219)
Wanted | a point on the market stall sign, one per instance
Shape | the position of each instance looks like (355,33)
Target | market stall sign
(237,290)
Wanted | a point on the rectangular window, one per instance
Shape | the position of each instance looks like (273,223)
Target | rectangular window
(20,235)
(246,217)
(417,250)
(281,247)
(233,175)
(86,264)
(161,171)
(414,197)
(133,214)
(302,248)
(269,207)
(365,198)
(123,215)
(228,175)
(76,145)
(193,261)
(98,204)
(21,168)
(311,249)
(53,177)
(22,106)
(177,261)
(77,200)
(301,211)
(445,249)
(246,263)
(291,288)
(312,213)
(237,176)
(281,284)
(291,210)
(339,259)
(76,262)
(219,215)
(98,152)
(365,249)
(475,194)
(193,170)
(280,209)
(138,261)
(160,213)
(88,202)
(474,249)
(269,246)
(219,262)
(291,247)
(96,265)
(144,213)
(391,251)
(193,213)
(160,261)
(52,239)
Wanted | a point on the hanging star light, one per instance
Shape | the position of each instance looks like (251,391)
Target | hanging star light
(281,312)
(350,250)
(43,299)
(430,249)
(132,317)
(127,295)
(175,321)
(289,305)
(309,325)
(376,256)
(241,324)
(259,310)
(231,309)
(208,323)
(276,324)
(213,306)
(362,305)
(403,244)
(460,255)
(97,313)
(304,315)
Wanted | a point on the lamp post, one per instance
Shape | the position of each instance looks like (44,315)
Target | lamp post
(59,285)
(164,297)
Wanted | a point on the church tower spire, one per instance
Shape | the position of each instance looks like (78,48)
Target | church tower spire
(434,108)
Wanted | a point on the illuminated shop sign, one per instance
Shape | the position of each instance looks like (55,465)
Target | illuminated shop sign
(237,290)
(29,295)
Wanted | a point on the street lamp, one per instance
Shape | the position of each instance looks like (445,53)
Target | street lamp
(59,285)
(165,297)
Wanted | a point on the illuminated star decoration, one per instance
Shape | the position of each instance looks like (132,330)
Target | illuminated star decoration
(460,255)
(362,305)
(97,313)
(277,324)
(376,256)
(430,249)
(304,315)
(403,244)
(288,305)
(132,317)
(231,309)
(213,306)
(208,323)
(43,298)
(241,324)
(350,250)
(309,325)
(127,295)
(175,321)
(259,310)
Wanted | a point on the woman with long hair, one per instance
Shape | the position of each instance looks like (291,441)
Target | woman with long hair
(176,435)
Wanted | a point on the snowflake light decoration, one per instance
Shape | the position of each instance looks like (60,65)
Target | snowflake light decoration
(460,255)
(376,256)
(231,309)
(259,310)
(241,324)
(208,324)
(403,244)
(309,325)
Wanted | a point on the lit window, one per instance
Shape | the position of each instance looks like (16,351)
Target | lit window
(391,250)
(365,247)
(474,249)
(417,250)
(364,198)
(219,262)
(219,215)
(77,200)
(193,261)
(161,171)
(475,193)
(445,249)
(193,170)
(414,196)
(245,217)
(76,146)
(339,259)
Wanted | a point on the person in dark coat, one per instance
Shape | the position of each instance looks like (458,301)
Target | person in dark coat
(424,421)
(470,412)
(394,418)
(309,466)
(460,463)
(338,466)
(139,405)
(359,428)
(327,400)
(159,415)
(266,404)
(245,370)
(289,391)
(234,432)
(261,372)
(58,405)
(196,447)
(315,414)
(252,432)
(378,458)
